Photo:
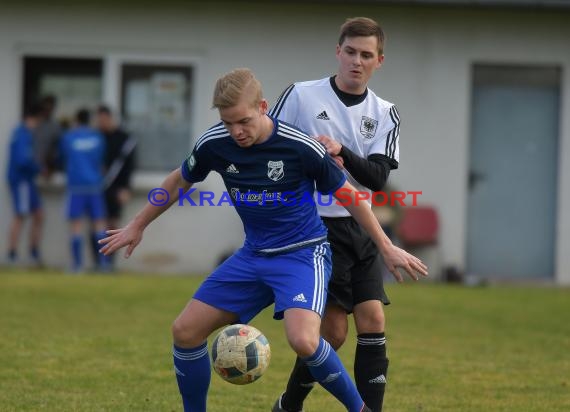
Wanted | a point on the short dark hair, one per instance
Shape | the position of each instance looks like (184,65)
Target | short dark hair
(104,109)
(362,27)
(83,116)
(33,110)
(49,99)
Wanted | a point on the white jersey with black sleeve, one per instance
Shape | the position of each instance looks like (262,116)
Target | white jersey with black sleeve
(366,125)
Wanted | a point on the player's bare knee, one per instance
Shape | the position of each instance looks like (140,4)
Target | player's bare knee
(177,331)
(303,344)
(183,336)
(377,319)
(369,319)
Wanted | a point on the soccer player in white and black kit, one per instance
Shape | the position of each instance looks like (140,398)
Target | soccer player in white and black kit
(268,168)
(360,131)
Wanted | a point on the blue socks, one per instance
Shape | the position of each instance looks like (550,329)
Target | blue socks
(192,367)
(327,369)
(103,262)
(76,253)
(35,254)
(193,373)
(12,256)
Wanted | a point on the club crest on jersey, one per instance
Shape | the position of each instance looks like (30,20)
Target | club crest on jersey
(275,170)
(191,162)
(368,127)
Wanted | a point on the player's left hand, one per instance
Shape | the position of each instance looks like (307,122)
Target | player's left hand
(396,257)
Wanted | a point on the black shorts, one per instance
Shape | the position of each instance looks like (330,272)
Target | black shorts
(356,265)
(114,207)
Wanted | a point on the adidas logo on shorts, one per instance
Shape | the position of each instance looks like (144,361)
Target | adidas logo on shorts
(300,298)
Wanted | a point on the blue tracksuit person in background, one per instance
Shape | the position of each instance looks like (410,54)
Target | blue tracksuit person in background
(22,172)
(82,151)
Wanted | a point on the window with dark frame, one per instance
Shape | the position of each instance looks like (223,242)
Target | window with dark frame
(155,107)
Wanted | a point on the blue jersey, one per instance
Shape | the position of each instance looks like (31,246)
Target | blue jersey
(271,184)
(83,151)
(22,165)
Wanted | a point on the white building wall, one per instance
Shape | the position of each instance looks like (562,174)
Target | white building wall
(429,53)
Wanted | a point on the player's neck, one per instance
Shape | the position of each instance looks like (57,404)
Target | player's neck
(343,87)
(266,129)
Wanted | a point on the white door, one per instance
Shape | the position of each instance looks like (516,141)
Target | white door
(513,172)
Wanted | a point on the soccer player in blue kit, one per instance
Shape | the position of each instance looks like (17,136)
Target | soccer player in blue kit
(270,169)
(82,151)
(22,171)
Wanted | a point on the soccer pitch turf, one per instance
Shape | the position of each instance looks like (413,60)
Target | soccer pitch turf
(102,343)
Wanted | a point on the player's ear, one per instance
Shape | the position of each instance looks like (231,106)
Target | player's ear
(263,106)
(380,60)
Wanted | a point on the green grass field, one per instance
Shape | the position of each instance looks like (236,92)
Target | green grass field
(102,343)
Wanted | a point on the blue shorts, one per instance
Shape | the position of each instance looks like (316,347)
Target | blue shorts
(246,283)
(92,204)
(25,197)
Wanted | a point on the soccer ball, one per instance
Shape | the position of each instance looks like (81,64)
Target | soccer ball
(240,354)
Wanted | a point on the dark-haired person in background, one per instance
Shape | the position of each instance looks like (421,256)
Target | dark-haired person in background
(119,166)
(46,136)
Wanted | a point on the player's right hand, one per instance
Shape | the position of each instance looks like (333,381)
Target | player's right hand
(129,236)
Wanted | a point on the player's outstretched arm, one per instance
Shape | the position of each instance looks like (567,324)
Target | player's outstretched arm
(131,235)
(394,257)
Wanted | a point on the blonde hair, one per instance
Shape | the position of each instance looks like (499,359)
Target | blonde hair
(362,27)
(235,85)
